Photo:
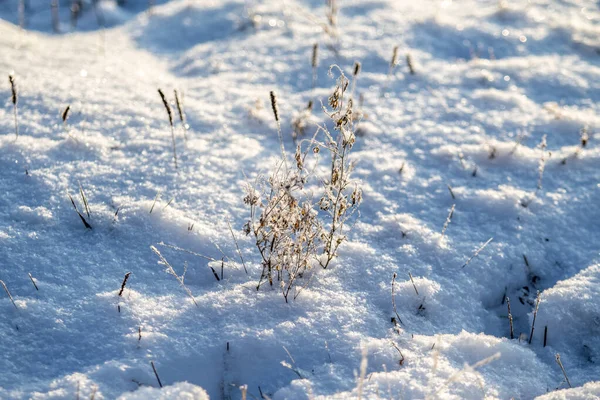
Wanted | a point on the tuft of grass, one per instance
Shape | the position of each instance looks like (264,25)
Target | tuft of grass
(170,115)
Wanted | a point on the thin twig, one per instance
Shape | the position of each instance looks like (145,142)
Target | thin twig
(560,364)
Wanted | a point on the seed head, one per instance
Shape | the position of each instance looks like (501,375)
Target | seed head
(315,55)
(13,88)
(394,57)
(274,105)
(357,67)
(167,106)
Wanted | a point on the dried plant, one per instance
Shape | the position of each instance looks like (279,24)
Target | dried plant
(170,114)
(15,100)
(341,195)
(289,234)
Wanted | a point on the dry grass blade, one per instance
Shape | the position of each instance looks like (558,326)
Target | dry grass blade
(477,252)
(15,100)
(237,246)
(32,281)
(448,220)
(124,283)
(171,271)
(170,114)
(181,113)
(156,374)
(85,223)
(8,293)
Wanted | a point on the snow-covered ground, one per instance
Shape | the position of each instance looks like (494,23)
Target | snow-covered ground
(491,80)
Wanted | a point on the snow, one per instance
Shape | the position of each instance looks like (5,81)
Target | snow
(492,78)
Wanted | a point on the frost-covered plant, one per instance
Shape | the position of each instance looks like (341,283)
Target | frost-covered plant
(285,226)
(289,231)
(341,196)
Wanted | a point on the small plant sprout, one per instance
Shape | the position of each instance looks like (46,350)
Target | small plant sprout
(127,275)
(448,219)
(170,115)
(409,64)
(510,319)
(315,64)
(477,252)
(535,311)
(171,271)
(562,368)
(181,112)
(8,294)
(14,100)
